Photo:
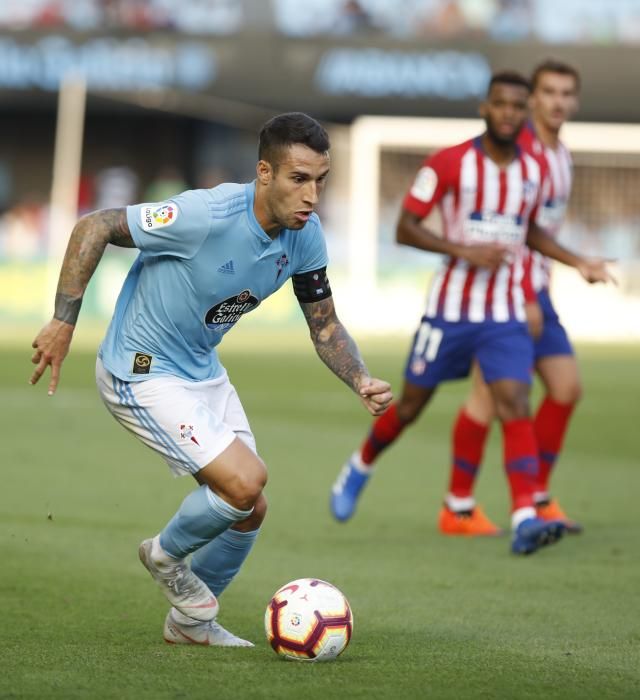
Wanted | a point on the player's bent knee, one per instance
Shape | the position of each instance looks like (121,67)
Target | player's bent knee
(256,518)
(260,509)
(238,475)
(246,486)
(511,400)
(480,407)
(568,394)
(512,407)
(513,410)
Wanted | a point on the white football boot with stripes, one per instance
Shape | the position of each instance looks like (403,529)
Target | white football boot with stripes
(179,629)
(183,589)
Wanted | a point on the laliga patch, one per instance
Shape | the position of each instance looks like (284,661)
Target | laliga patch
(141,363)
(424,186)
(159,215)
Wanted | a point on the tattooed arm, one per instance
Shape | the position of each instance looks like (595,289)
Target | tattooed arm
(339,352)
(86,246)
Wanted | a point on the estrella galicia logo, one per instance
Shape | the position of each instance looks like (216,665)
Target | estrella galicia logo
(225,313)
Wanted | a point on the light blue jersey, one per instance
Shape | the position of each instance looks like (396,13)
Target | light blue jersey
(204,262)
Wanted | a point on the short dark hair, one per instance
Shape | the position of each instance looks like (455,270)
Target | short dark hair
(552,65)
(287,129)
(509,77)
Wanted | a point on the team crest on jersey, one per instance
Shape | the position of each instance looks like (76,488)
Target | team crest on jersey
(281,263)
(186,433)
(225,313)
(158,215)
(530,190)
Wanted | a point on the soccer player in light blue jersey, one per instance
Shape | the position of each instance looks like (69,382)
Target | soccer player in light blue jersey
(207,257)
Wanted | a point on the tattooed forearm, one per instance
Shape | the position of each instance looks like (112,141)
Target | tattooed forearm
(333,343)
(86,246)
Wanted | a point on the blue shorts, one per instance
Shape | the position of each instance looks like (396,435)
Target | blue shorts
(554,339)
(442,351)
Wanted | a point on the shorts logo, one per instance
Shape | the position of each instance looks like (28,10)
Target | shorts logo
(141,363)
(224,314)
(158,215)
(418,366)
(186,433)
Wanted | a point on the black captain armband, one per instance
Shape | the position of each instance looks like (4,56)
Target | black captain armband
(311,286)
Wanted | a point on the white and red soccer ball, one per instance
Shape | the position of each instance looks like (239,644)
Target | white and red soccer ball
(308,620)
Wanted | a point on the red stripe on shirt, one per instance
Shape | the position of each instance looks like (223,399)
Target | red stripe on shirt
(466,293)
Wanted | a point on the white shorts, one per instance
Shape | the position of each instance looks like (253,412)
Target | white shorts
(188,423)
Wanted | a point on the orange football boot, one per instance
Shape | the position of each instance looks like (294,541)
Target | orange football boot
(468,523)
(551,510)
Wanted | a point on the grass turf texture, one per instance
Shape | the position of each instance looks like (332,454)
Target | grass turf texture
(434,617)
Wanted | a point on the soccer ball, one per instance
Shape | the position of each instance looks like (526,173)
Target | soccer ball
(308,620)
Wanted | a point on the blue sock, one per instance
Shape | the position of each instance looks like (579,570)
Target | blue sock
(202,516)
(219,561)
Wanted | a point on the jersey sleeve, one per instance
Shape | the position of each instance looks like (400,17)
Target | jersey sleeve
(429,185)
(176,227)
(313,254)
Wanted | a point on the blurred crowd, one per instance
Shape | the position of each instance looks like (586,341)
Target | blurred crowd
(569,21)
(188,16)
(24,222)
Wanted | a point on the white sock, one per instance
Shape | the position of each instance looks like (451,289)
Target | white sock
(520,515)
(359,465)
(158,555)
(457,505)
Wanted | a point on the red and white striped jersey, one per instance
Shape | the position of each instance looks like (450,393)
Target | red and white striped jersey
(480,203)
(559,167)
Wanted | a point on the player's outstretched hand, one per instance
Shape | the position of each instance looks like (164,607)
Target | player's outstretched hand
(535,319)
(595,270)
(375,395)
(489,255)
(51,347)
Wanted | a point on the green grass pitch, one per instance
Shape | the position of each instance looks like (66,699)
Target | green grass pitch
(434,617)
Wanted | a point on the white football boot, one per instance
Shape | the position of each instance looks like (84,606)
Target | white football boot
(183,589)
(178,629)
